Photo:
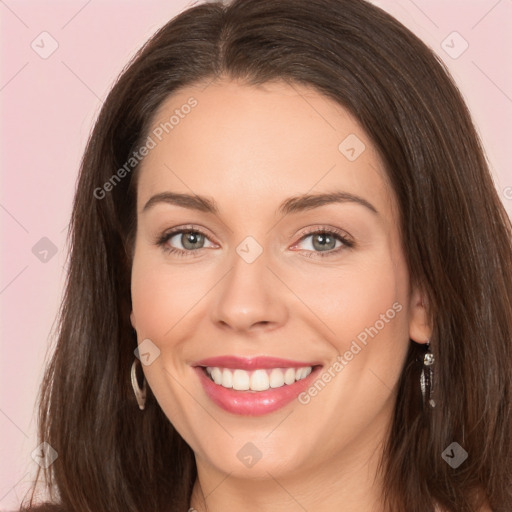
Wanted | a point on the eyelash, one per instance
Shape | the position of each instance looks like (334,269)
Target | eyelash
(163,239)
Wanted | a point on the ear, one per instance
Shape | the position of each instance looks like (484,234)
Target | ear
(132,320)
(419,329)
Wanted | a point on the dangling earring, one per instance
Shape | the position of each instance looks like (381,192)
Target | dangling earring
(427,377)
(140,394)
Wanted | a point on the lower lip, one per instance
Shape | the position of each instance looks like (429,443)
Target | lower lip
(253,403)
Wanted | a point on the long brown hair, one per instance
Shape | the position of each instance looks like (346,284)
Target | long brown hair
(456,238)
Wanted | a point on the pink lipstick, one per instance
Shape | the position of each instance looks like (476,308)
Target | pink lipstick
(254,386)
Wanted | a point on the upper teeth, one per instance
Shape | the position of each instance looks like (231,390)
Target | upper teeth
(257,380)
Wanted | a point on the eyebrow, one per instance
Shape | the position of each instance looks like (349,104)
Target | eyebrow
(291,205)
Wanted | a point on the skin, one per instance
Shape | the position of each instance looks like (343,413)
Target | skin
(250,148)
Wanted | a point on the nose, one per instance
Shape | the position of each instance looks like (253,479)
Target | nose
(249,298)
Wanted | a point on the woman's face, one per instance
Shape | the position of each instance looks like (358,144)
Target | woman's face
(236,184)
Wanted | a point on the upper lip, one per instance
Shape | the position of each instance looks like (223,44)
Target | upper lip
(252,363)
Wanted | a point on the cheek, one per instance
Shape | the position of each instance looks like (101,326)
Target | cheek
(162,294)
(352,297)
(361,311)
(162,299)
(342,301)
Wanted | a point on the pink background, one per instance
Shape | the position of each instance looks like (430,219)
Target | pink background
(48,107)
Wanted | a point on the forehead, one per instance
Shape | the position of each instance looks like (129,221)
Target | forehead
(235,141)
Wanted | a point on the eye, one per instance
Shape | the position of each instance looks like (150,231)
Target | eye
(188,241)
(325,242)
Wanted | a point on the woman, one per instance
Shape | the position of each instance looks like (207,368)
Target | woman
(290,280)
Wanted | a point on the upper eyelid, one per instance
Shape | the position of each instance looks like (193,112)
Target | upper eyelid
(345,239)
(180,230)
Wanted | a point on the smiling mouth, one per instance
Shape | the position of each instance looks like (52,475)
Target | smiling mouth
(257,380)
(254,386)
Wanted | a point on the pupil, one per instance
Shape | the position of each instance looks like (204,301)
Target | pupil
(191,239)
(324,241)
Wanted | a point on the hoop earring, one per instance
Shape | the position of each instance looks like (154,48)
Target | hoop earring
(140,394)
(427,377)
